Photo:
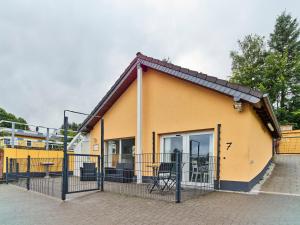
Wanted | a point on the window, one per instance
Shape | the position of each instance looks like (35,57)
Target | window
(127,150)
(170,145)
(113,153)
(29,144)
(119,151)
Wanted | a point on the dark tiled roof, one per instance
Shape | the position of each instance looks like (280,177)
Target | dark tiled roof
(203,76)
(225,87)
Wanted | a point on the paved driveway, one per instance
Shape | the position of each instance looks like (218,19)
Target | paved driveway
(20,207)
(285,177)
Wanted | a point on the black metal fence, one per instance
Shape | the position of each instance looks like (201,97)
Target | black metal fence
(171,177)
(163,176)
(42,175)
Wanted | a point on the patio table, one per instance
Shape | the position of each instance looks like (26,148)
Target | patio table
(47,165)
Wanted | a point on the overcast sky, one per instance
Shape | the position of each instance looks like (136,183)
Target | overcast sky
(65,54)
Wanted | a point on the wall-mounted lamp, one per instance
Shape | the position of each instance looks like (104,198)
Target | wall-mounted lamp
(270,127)
(237,104)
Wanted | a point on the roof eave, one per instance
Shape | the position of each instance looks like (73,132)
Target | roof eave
(249,95)
(270,110)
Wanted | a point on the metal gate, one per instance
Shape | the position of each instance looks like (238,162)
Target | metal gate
(83,173)
(45,175)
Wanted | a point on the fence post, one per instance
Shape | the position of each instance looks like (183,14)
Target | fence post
(178,176)
(6,174)
(17,171)
(65,162)
(98,172)
(28,173)
(102,155)
(153,147)
(10,165)
(218,154)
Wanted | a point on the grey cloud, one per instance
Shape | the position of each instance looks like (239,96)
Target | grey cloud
(66,54)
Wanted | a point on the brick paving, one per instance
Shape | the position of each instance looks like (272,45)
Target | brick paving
(20,207)
(285,177)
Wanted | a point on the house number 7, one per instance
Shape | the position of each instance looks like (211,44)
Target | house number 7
(228,145)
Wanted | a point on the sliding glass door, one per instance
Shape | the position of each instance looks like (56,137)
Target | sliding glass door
(200,158)
(171,144)
(197,155)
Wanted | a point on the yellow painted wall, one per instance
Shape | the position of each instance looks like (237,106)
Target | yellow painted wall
(172,105)
(290,142)
(259,145)
(120,120)
(55,156)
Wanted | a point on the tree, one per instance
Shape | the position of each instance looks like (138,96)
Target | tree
(285,36)
(274,70)
(248,63)
(11,117)
(285,44)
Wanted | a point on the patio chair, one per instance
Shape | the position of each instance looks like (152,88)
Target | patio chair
(123,173)
(165,178)
(195,171)
(88,172)
(199,172)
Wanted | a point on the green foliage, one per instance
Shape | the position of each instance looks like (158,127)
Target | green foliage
(274,69)
(72,126)
(11,117)
(72,130)
(285,36)
(248,63)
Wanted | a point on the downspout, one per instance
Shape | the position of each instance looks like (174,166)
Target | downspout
(139,124)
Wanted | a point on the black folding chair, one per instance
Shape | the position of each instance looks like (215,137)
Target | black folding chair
(165,178)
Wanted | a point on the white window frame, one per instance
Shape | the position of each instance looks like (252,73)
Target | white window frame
(108,161)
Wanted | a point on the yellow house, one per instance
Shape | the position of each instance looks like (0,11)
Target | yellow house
(18,144)
(156,107)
